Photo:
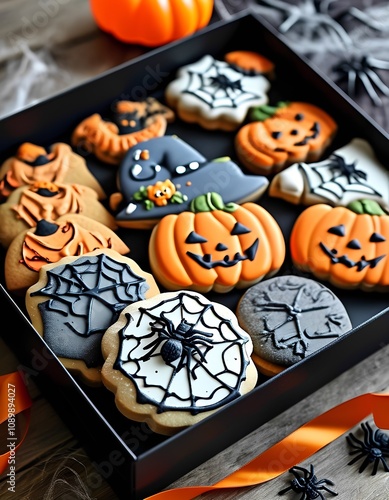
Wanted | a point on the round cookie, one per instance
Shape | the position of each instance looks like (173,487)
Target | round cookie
(289,318)
(277,136)
(348,174)
(216,246)
(57,163)
(48,242)
(348,246)
(76,299)
(216,94)
(131,122)
(176,358)
(163,175)
(27,205)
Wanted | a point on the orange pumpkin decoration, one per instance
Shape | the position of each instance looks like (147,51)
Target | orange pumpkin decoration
(151,22)
(216,246)
(277,136)
(348,246)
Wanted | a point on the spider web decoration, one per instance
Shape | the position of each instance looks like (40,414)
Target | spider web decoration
(182,354)
(220,85)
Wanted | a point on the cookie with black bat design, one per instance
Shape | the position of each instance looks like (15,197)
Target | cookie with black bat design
(289,318)
(76,299)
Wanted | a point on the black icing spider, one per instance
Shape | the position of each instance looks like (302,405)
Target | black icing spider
(374,447)
(308,484)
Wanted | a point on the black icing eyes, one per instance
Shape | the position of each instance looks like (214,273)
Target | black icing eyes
(355,244)
(193,237)
(238,229)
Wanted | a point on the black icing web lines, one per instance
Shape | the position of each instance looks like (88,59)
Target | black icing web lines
(220,86)
(199,375)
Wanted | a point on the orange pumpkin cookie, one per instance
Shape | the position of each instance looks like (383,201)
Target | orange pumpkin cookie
(48,242)
(278,136)
(131,122)
(216,246)
(57,163)
(289,318)
(349,246)
(27,205)
(78,298)
(175,359)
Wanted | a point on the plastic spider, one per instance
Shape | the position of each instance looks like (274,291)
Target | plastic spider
(308,484)
(362,69)
(374,447)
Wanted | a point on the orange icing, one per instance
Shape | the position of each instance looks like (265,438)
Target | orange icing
(250,60)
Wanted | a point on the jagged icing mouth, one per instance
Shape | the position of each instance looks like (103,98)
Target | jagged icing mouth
(207,262)
(346,261)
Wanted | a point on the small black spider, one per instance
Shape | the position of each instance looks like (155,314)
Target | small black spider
(374,447)
(308,484)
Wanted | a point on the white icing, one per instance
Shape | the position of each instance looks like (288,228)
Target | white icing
(321,182)
(226,354)
(131,207)
(194,90)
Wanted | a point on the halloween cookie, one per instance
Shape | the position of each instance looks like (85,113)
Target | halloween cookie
(277,136)
(48,242)
(218,94)
(57,163)
(27,205)
(76,299)
(289,318)
(176,358)
(130,122)
(348,174)
(216,246)
(163,175)
(348,246)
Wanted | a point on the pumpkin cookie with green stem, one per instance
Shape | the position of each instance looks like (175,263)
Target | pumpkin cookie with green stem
(216,246)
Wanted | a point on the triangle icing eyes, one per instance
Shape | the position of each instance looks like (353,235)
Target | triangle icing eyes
(193,237)
(338,230)
(240,229)
(377,238)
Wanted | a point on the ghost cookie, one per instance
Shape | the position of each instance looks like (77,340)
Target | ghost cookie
(48,242)
(216,246)
(130,122)
(348,246)
(277,136)
(175,359)
(348,174)
(218,94)
(163,175)
(57,163)
(288,319)
(27,205)
(77,299)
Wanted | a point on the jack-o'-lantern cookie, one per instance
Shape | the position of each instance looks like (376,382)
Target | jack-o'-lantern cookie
(57,163)
(277,136)
(48,242)
(163,175)
(348,246)
(218,94)
(76,299)
(216,246)
(175,359)
(27,205)
(348,174)
(289,318)
(130,122)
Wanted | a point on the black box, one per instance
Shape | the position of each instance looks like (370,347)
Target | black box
(137,462)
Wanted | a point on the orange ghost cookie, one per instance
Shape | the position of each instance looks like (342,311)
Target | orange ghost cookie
(48,242)
(57,163)
(348,246)
(216,246)
(76,299)
(278,136)
(27,205)
(131,122)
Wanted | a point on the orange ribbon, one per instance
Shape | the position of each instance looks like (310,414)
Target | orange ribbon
(301,444)
(14,399)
